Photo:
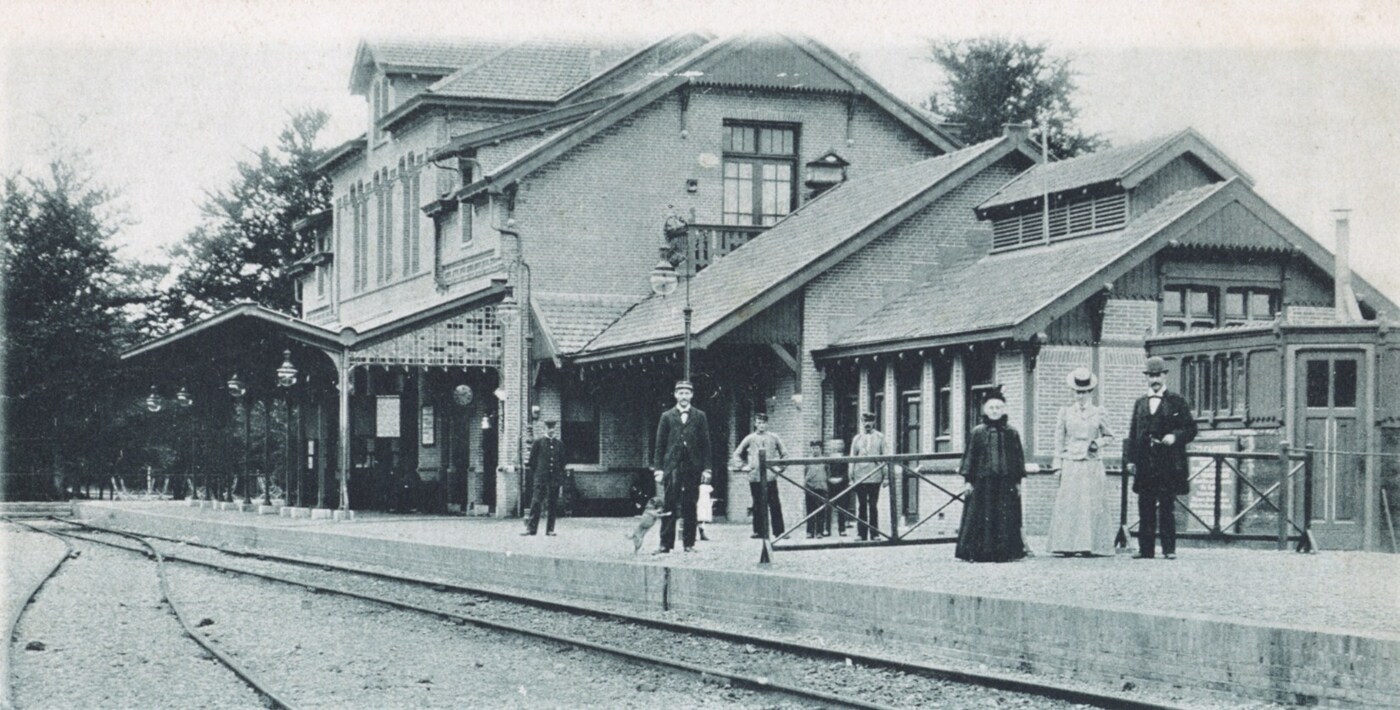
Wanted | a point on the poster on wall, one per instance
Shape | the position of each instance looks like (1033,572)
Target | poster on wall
(427,425)
(386,417)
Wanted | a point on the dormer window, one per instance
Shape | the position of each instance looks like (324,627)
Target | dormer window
(1068,219)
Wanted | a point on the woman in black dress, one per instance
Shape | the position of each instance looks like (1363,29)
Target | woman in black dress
(993,466)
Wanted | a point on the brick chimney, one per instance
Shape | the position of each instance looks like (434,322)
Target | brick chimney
(1343,297)
(1019,131)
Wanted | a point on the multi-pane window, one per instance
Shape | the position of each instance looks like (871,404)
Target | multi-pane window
(1243,305)
(1187,307)
(378,106)
(909,383)
(1214,385)
(942,406)
(760,168)
(1195,306)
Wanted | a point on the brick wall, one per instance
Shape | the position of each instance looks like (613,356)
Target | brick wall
(1129,319)
(890,264)
(579,240)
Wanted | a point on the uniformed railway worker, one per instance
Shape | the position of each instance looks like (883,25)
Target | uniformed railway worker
(546,465)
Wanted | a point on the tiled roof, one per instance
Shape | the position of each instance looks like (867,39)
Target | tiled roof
(1003,290)
(449,55)
(1101,166)
(573,319)
(534,71)
(779,254)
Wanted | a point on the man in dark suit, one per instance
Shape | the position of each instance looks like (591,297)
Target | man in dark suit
(681,463)
(546,466)
(1162,426)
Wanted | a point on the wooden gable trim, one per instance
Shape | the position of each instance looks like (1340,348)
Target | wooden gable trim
(495,292)
(864,84)
(1315,252)
(1188,141)
(1004,147)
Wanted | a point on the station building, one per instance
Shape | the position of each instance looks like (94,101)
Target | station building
(489,259)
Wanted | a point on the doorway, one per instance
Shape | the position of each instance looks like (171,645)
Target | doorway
(1332,420)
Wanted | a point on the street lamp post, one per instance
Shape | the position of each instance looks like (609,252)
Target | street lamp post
(664,278)
(286,379)
(237,390)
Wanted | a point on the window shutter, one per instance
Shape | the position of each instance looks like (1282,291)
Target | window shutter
(1264,388)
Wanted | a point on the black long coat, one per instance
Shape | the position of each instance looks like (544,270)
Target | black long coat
(1161,469)
(683,449)
(994,463)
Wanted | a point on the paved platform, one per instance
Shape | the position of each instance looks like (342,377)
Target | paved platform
(1270,625)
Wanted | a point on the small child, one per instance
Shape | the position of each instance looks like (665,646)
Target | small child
(704,509)
(652,513)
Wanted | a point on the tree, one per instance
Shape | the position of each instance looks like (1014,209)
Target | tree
(241,249)
(68,305)
(991,81)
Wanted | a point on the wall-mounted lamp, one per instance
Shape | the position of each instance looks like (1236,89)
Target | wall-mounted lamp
(534,412)
(183,398)
(154,402)
(486,423)
(500,394)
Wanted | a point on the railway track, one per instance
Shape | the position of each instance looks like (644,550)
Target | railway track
(623,625)
(268,697)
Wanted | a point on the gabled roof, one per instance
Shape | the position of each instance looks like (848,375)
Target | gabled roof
(684,70)
(998,292)
(780,261)
(570,320)
(538,70)
(1015,294)
(1124,166)
(243,313)
(525,125)
(417,56)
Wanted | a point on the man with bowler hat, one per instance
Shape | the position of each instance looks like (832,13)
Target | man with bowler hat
(681,463)
(1161,428)
(546,465)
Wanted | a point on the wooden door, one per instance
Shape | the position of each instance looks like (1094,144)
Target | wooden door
(1331,419)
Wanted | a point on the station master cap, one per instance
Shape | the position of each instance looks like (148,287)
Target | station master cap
(684,385)
(1155,366)
(868,417)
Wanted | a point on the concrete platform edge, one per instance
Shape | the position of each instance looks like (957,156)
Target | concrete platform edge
(1257,661)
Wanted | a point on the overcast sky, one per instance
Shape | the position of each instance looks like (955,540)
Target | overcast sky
(165,97)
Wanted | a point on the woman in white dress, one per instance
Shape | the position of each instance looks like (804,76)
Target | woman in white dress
(1080,523)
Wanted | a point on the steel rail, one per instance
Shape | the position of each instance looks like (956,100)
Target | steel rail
(12,624)
(753,682)
(987,679)
(269,697)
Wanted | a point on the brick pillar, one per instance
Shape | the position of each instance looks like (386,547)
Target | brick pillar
(508,483)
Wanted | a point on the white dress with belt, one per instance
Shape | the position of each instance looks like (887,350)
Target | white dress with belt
(1080,521)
